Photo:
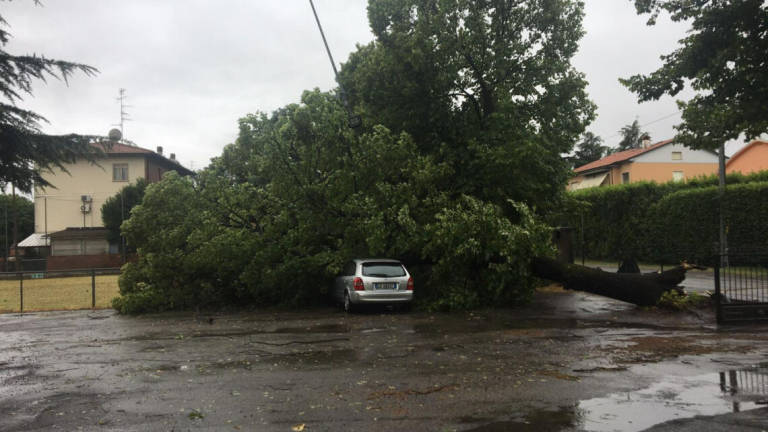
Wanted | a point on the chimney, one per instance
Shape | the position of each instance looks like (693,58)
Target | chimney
(173,157)
(160,150)
(646,140)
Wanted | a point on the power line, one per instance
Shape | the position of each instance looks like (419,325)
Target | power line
(353,121)
(647,124)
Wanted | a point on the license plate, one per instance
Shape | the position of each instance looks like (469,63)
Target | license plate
(385,286)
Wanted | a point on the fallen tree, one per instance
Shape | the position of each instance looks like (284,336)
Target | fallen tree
(640,289)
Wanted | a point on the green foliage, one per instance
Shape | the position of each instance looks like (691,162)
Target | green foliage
(117,208)
(723,57)
(614,217)
(467,108)
(26,152)
(17,209)
(481,257)
(631,137)
(589,149)
(669,222)
(486,87)
(275,217)
(674,300)
(179,264)
(687,221)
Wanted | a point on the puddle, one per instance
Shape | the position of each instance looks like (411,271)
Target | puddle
(480,324)
(677,398)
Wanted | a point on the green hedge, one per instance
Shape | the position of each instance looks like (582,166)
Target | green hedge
(668,222)
(685,224)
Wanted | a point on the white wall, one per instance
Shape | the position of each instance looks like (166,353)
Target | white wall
(663,154)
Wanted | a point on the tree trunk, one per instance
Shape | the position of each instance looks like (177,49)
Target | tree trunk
(640,289)
(629,266)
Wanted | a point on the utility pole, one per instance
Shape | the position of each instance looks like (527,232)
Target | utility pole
(15,230)
(122,218)
(723,244)
(353,121)
(5,237)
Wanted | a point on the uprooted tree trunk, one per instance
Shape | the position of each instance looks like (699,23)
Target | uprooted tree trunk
(640,289)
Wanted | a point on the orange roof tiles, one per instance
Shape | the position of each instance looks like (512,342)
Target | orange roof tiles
(619,157)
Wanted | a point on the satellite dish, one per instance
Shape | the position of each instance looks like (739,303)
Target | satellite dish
(115,135)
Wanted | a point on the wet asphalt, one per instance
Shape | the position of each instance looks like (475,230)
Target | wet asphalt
(568,361)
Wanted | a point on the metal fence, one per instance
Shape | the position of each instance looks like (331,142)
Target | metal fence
(745,385)
(741,287)
(26,291)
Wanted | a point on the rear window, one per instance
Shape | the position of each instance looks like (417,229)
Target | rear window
(383,269)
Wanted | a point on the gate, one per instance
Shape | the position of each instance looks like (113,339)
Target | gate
(741,288)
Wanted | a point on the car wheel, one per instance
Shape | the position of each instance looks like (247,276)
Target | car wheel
(348,306)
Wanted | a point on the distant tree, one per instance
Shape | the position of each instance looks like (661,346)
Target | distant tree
(15,210)
(117,208)
(723,57)
(26,152)
(631,137)
(590,149)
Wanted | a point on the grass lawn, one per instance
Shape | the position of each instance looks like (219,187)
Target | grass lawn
(60,293)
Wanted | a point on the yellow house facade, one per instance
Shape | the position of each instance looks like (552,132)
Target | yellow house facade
(75,199)
(661,162)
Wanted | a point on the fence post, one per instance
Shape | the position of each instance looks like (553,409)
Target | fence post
(21,293)
(93,288)
(718,294)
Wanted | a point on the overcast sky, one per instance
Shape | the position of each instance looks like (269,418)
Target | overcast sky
(191,68)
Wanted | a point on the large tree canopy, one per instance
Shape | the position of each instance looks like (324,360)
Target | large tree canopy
(724,57)
(467,108)
(26,151)
(485,86)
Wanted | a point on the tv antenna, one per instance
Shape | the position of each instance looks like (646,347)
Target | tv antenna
(353,121)
(124,117)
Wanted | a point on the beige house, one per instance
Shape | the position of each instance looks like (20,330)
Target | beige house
(661,162)
(750,159)
(74,202)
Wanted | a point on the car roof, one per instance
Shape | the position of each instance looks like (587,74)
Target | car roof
(367,260)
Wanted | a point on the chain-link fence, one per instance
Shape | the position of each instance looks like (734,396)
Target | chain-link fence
(29,291)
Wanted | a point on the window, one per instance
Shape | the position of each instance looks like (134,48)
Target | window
(677,155)
(384,269)
(625,177)
(677,176)
(120,172)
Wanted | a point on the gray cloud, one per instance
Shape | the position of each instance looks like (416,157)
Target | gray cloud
(192,68)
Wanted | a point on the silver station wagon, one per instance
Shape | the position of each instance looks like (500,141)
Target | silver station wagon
(373,281)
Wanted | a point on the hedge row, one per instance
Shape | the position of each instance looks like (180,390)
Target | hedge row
(685,224)
(669,222)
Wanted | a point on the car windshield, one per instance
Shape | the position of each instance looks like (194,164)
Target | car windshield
(383,269)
